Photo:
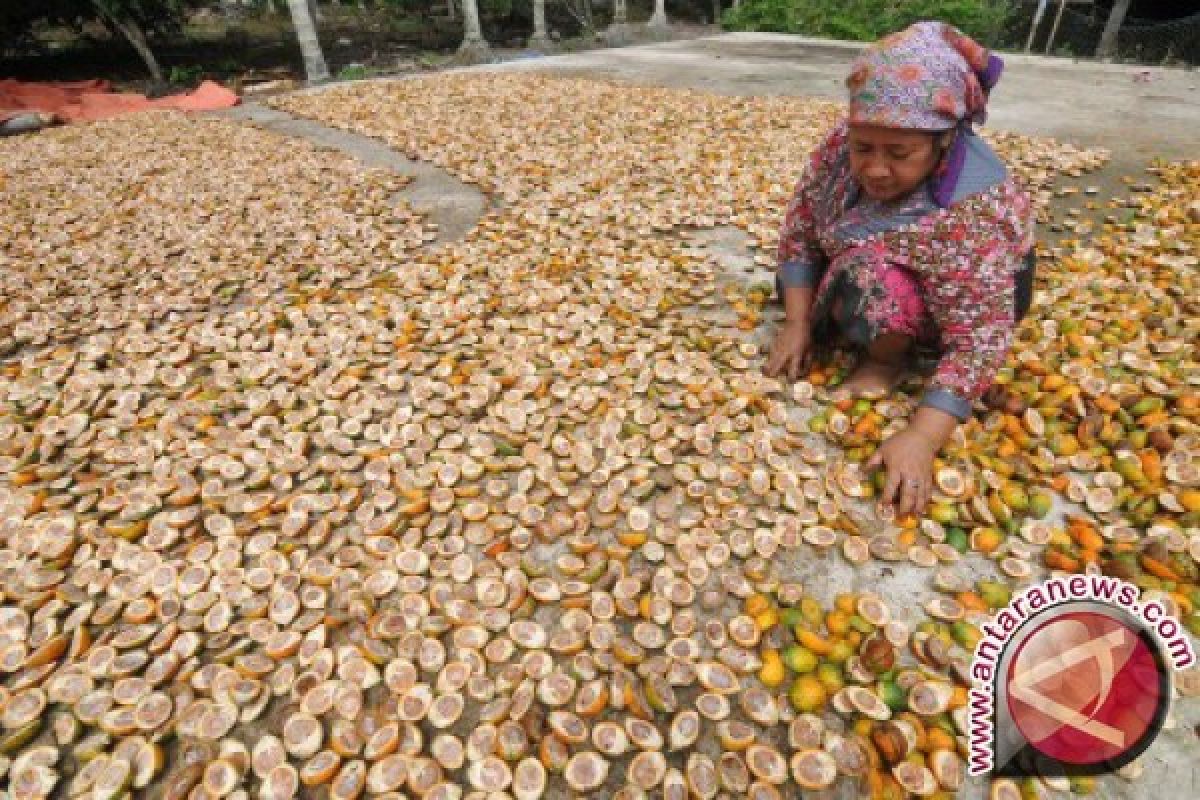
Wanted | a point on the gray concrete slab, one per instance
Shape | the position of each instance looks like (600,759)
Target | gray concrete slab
(453,206)
(1136,112)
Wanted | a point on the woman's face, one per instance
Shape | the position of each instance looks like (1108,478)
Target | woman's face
(890,162)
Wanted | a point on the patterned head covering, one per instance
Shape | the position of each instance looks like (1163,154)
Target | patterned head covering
(929,77)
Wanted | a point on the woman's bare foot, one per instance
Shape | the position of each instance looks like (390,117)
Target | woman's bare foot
(873,377)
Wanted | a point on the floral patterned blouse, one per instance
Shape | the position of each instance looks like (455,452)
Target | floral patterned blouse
(960,259)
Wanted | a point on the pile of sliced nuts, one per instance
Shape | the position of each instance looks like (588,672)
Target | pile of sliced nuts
(294,504)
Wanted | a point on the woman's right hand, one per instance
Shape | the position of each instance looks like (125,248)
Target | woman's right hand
(790,352)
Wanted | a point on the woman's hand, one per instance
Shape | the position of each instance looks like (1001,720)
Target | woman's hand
(908,457)
(791,351)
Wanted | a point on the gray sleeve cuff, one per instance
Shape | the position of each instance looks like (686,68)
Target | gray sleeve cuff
(798,273)
(945,400)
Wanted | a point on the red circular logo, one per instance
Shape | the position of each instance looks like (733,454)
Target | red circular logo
(1085,688)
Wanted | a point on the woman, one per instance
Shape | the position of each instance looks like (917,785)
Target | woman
(906,231)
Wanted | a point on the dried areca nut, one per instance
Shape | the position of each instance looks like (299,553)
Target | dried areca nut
(915,779)
(388,774)
(945,608)
(320,768)
(894,740)
(568,727)
(767,764)
(851,753)
(760,706)
(813,769)
(683,731)
(867,703)
(717,678)
(805,732)
(820,536)
(647,769)
(701,775)
(529,780)
(856,550)
(302,735)
(872,609)
(674,785)
(947,769)
(585,771)
(712,706)
(735,735)
(349,782)
(644,735)
(929,698)
(489,775)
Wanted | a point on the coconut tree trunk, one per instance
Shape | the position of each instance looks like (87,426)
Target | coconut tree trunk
(133,33)
(618,31)
(658,20)
(1107,48)
(539,38)
(716,12)
(310,46)
(474,47)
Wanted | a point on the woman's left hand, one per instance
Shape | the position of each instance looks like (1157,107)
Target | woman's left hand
(908,457)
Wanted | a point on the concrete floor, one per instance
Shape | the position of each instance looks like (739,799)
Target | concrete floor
(1102,105)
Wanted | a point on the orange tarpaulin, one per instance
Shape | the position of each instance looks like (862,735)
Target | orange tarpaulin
(81,101)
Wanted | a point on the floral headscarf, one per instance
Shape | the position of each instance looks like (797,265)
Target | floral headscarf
(929,76)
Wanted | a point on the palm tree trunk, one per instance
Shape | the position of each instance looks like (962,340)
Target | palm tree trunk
(133,33)
(716,12)
(310,46)
(1107,49)
(618,31)
(539,38)
(474,46)
(658,20)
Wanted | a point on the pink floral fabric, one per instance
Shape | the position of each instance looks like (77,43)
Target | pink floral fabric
(945,276)
(900,307)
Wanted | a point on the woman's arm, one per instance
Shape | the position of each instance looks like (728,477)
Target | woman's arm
(975,315)
(797,303)
(967,261)
(967,277)
(791,350)
(801,263)
(801,259)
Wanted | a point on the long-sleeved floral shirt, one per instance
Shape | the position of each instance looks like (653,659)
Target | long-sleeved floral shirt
(942,274)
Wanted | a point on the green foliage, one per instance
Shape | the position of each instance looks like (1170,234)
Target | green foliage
(867,20)
(495,8)
(185,74)
(432,60)
(18,19)
(353,72)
